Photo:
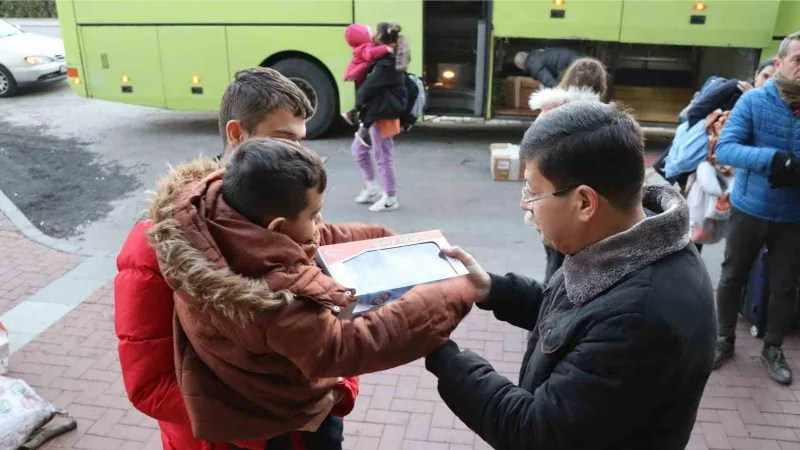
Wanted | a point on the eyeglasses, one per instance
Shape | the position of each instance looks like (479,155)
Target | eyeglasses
(527,194)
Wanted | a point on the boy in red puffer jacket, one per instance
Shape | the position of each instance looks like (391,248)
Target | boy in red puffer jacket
(144,306)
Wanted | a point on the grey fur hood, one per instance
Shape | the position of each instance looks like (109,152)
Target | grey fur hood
(601,265)
(403,54)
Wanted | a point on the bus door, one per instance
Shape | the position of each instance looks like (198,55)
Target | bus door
(456,56)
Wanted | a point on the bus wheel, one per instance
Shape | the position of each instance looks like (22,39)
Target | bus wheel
(319,89)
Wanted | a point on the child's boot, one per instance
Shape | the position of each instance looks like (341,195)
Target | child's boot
(363,136)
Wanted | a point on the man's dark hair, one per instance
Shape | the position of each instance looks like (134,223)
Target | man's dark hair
(764,64)
(589,143)
(269,178)
(255,93)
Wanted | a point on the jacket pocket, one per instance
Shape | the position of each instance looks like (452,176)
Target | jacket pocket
(551,335)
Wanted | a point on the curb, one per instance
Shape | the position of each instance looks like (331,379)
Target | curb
(52,302)
(24,225)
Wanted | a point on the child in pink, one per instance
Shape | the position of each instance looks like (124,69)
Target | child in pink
(365,52)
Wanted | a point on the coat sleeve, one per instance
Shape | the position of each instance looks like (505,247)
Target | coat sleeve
(735,142)
(396,334)
(330,234)
(514,299)
(539,71)
(143,310)
(708,102)
(613,368)
(371,53)
(349,389)
(376,82)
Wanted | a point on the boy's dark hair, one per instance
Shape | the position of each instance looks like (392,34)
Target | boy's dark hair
(388,32)
(589,143)
(268,178)
(256,92)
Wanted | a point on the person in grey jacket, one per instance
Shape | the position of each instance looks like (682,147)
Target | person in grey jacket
(623,337)
(546,65)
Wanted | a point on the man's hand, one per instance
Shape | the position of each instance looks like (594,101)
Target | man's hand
(744,86)
(480,280)
(785,171)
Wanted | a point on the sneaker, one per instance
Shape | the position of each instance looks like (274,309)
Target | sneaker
(724,351)
(370,194)
(776,364)
(349,117)
(363,137)
(386,203)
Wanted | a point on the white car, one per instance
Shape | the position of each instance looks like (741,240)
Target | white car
(28,59)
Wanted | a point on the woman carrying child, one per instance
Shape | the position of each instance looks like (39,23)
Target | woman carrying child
(381,100)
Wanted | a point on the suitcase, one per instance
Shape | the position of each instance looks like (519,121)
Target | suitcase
(756,296)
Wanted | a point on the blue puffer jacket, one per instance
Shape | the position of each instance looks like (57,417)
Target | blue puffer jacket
(760,125)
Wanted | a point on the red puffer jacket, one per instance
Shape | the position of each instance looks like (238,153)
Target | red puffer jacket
(143,305)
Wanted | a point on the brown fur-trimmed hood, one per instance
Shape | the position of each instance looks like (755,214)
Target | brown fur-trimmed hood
(202,274)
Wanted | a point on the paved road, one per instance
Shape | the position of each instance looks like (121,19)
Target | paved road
(443,174)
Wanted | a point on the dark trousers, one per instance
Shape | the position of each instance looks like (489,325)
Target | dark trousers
(329,436)
(554,261)
(747,236)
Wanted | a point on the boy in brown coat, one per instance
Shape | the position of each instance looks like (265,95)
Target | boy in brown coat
(259,346)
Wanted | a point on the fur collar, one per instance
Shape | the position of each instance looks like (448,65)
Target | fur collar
(549,98)
(189,269)
(402,54)
(601,265)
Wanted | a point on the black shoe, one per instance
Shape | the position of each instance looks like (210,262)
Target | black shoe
(724,351)
(363,136)
(776,364)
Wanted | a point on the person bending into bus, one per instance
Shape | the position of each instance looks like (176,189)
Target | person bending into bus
(381,101)
(258,102)
(546,65)
(585,79)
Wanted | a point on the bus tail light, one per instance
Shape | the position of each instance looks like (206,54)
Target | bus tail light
(700,6)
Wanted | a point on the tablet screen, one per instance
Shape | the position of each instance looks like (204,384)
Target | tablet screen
(380,270)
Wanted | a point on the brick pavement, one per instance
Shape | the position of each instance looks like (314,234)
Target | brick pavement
(25,266)
(74,364)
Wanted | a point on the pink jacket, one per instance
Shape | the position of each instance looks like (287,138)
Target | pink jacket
(364,52)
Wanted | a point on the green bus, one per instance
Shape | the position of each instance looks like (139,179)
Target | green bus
(180,54)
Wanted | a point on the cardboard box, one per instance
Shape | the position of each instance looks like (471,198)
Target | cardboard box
(518,90)
(505,162)
(382,270)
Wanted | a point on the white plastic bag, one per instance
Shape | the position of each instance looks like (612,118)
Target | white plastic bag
(709,204)
(22,412)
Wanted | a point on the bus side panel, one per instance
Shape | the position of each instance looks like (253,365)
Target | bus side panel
(214,12)
(250,46)
(726,23)
(407,13)
(72,45)
(788,18)
(582,19)
(189,52)
(116,52)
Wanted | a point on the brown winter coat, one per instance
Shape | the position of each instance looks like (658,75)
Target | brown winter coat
(258,344)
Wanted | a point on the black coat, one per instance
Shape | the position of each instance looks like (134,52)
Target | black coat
(383,95)
(620,369)
(723,96)
(546,65)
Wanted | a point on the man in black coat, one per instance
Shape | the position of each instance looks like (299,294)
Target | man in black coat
(546,65)
(623,337)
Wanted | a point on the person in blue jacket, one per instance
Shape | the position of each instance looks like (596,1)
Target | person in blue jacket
(761,139)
